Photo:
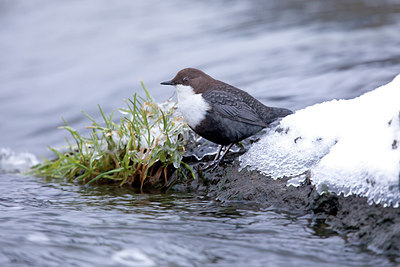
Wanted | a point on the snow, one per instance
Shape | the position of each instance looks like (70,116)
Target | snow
(349,146)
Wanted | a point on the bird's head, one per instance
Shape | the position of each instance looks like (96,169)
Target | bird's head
(192,77)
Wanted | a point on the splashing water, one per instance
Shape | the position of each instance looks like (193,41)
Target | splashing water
(10,162)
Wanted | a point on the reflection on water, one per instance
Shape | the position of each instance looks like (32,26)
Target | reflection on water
(53,223)
(62,57)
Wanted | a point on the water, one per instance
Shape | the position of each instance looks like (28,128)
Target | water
(62,57)
(45,223)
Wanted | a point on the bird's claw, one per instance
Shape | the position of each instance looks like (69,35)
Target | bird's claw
(213,165)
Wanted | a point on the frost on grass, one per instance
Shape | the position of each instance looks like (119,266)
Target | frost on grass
(349,146)
(144,147)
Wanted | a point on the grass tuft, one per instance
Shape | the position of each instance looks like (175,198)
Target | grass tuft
(144,148)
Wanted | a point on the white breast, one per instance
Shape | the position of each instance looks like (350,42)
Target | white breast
(192,106)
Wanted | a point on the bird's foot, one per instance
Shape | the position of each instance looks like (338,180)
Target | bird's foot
(217,160)
(213,165)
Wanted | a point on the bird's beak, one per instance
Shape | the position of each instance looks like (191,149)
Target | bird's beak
(168,83)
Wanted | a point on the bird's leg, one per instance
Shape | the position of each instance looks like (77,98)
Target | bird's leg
(219,153)
(226,151)
(205,167)
(217,158)
(216,163)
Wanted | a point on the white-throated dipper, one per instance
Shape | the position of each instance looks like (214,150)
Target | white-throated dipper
(220,112)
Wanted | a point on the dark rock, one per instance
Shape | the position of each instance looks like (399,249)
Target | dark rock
(370,226)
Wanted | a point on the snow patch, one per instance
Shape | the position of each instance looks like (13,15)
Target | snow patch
(350,146)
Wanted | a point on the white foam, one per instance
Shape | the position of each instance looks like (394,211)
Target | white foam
(133,257)
(350,146)
(10,162)
(38,237)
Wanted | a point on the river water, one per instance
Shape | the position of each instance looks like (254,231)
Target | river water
(59,58)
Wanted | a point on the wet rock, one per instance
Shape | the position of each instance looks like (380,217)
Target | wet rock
(370,226)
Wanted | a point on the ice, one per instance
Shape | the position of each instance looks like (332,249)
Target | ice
(349,146)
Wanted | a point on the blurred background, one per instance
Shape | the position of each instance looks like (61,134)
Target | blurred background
(60,57)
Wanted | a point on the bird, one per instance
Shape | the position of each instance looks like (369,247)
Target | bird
(219,112)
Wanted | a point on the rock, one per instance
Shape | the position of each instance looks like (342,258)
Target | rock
(371,226)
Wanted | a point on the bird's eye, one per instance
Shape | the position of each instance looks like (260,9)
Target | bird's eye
(186,79)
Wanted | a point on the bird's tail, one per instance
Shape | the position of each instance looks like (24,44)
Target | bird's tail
(283,112)
(276,113)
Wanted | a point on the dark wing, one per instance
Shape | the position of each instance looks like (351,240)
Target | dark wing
(232,107)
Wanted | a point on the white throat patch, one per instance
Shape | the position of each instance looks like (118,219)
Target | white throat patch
(192,106)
